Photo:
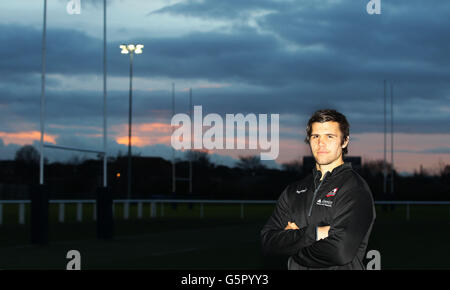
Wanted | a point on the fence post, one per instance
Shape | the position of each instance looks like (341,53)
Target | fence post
(104,213)
(242,210)
(61,213)
(139,213)
(39,214)
(79,212)
(407,211)
(152,209)
(126,208)
(21,213)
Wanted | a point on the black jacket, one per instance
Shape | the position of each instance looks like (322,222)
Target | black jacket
(342,200)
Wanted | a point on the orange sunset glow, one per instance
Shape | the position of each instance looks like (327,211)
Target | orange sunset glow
(25,137)
(143,134)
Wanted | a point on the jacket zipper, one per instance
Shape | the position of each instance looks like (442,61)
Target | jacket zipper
(315,192)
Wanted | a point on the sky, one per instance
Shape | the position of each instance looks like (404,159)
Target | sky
(289,58)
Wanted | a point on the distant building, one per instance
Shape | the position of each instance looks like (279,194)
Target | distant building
(309,162)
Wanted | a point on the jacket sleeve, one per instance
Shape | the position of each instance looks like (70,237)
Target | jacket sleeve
(351,222)
(276,240)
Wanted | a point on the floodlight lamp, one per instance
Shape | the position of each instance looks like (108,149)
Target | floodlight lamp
(138,49)
(124,49)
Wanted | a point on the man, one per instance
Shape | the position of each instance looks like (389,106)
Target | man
(323,221)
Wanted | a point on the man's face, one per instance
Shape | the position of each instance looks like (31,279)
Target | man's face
(325,142)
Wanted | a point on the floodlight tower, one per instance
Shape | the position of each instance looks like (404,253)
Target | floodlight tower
(130,49)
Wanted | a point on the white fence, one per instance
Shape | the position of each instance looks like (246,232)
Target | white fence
(153,203)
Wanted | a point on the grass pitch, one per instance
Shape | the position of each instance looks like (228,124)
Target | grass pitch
(220,240)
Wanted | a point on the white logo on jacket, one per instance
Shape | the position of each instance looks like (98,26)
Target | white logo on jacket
(327,203)
(302,190)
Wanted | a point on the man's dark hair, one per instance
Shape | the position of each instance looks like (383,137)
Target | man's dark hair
(329,115)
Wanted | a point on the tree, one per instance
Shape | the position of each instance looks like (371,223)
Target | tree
(443,169)
(445,174)
(27,154)
(372,168)
(293,166)
(199,156)
(250,163)
(446,171)
(73,160)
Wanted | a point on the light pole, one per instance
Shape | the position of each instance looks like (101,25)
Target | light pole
(130,49)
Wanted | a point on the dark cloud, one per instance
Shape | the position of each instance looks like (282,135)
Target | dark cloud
(85,108)
(216,9)
(393,42)
(67,51)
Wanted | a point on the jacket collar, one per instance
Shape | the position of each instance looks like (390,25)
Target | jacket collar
(317,174)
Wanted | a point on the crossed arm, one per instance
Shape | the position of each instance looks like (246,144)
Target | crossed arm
(322,232)
(280,236)
(351,222)
(325,246)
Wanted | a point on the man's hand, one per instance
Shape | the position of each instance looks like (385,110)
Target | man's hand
(322,232)
(291,226)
